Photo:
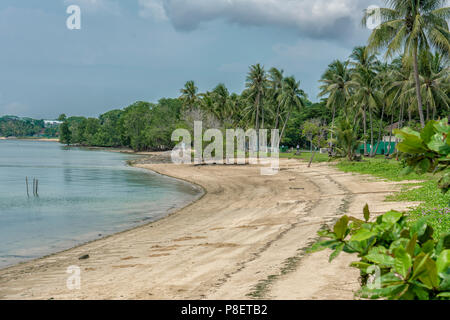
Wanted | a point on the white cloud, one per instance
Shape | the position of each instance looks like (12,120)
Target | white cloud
(152,9)
(316,18)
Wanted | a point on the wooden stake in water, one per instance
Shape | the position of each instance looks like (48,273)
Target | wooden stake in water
(28,194)
(37,185)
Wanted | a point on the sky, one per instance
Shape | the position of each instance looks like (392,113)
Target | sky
(144,50)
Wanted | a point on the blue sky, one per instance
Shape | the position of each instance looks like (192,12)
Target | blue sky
(147,49)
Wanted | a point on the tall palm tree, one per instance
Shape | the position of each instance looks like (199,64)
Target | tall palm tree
(382,79)
(411,25)
(365,84)
(336,86)
(256,84)
(290,99)
(189,95)
(276,78)
(434,77)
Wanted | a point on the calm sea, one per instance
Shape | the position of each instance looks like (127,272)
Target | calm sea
(83,195)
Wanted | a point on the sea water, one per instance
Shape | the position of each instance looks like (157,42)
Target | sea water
(83,195)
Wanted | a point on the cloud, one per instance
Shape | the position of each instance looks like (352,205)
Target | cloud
(313,18)
(152,9)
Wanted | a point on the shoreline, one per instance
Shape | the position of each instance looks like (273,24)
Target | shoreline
(234,222)
(169,212)
(31,139)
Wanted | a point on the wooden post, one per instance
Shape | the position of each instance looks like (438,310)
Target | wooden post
(37,185)
(34,186)
(26,180)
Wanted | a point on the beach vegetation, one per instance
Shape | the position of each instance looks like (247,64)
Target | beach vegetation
(397,260)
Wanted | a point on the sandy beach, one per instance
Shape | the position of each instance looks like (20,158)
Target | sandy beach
(33,139)
(245,238)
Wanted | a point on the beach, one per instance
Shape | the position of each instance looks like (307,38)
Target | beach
(245,238)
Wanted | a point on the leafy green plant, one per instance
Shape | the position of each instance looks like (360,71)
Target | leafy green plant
(410,264)
(427,150)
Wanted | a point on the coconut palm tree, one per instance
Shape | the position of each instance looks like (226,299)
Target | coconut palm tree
(364,82)
(435,85)
(382,79)
(256,84)
(411,25)
(290,99)
(347,137)
(276,78)
(336,87)
(189,95)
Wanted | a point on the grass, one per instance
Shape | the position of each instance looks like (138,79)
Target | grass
(379,167)
(306,156)
(435,207)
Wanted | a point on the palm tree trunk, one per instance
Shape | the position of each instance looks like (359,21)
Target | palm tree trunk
(332,126)
(390,133)
(371,133)
(365,130)
(257,121)
(380,129)
(262,114)
(419,94)
(278,116)
(285,123)
(400,125)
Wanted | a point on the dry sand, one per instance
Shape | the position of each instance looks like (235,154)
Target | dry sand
(244,239)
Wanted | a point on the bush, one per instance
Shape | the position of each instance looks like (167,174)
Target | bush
(427,150)
(410,263)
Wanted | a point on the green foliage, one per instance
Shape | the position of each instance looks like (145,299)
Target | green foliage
(11,126)
(141,126)
(434,207)
(427,150)
(411,263)
(66,134)
(346,138)
(379,167)
(319,157)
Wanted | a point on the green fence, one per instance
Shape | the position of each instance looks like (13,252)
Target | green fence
(383,148)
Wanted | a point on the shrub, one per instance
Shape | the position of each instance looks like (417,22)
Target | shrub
(427,150)
(410,263)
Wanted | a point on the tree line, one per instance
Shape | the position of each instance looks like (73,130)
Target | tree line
(360,97)
(11,126)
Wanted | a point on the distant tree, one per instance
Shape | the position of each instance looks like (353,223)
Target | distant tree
(65,135)
(189,95)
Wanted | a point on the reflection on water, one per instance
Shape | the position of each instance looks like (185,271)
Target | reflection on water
(83,195)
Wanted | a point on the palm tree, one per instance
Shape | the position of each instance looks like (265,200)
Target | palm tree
(382,79)
(336,86)
(365,84)
(256,84)
(347,137)
(220,105)
(411,25)
(189,95)
(276,85)
(434,77)
(290,98)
